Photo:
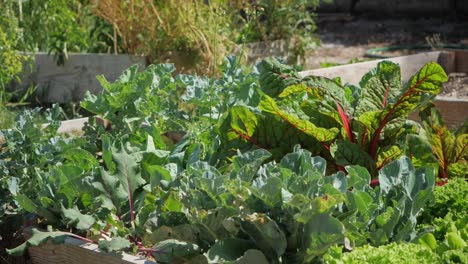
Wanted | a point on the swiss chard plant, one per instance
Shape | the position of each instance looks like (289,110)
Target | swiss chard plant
(438,144)
(347,124)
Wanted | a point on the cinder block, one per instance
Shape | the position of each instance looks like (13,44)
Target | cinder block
(69,82)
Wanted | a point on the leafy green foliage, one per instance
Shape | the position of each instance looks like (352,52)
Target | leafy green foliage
(348,124)
(292,20)
(448,199)
(391,253)
(209,196)
(449,148)
(58,27)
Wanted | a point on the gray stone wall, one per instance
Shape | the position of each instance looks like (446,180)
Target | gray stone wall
(69,82)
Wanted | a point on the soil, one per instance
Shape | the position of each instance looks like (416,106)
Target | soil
(457,86)
(345,38)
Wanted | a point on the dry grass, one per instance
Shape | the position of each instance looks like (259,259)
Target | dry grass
(181,31)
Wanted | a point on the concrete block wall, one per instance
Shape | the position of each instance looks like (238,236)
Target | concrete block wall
(69,82)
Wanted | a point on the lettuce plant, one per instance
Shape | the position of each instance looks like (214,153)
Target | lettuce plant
(348,125)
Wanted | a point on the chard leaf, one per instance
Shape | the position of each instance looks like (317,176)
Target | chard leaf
(347,153)
(275,76)
(242,123)
(294,89)
(387,155)
(427,82)
(379,87)
(419,150)
(321,134)
(449,148)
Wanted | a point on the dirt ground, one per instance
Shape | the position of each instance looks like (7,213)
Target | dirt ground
(345,38)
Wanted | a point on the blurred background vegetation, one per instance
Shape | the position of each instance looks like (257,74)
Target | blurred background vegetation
(195,35)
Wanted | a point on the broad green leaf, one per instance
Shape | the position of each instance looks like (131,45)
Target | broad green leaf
(252,256)
(268,190)
(74,217)
(157,174)
(321,134)
(321,232)
(228,250)
(246,165)
(28,205)
(428,240)
(174,248)
(275,76)
(172,202)
(347,153)
(379,87)
(359,177)
(301,162)
(107,150)
(319,206)
(242,122)
(116,244)
(362,201)
(38,238)
(265,233)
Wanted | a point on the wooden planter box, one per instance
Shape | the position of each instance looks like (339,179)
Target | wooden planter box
(74,251)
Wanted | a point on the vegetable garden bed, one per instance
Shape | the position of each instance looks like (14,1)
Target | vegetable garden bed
(273,167)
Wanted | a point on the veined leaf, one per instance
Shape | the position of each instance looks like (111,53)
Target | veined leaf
(242,123)
(275,76)
(293,89)
(346,153)
(321,134)
(379,87)
(428,81)
(449,148)
(387,155)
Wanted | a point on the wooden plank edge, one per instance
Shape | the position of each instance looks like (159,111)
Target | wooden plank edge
(76,251)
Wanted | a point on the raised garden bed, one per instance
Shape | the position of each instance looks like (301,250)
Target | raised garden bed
(213,196)
(74,251)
